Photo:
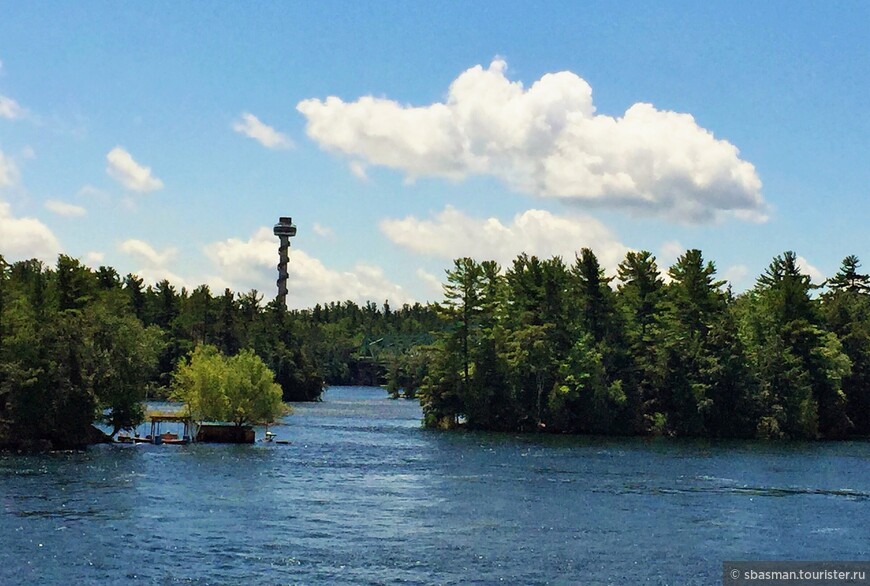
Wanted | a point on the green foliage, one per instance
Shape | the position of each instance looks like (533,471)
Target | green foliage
(122,355)
(583,402)
(799,365)
(79,346)
(640,296)
(539,346)
(560,350)
(848,279)
(70,353)
(200,383)
(406,372)
(846,311)
(252,394)
(215,387)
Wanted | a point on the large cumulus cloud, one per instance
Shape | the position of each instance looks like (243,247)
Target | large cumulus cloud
(548,141)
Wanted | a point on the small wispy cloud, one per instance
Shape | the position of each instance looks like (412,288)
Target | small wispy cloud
(8,171)
(65,209)
(155,265)
(252,127)
(433,283)
(670,251)
(10,109)
(146,253)
(359,170)
(815,274)
(89,191)
(736,275)
(135,177)
(322,230)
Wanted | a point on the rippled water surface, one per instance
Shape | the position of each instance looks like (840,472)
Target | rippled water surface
(363,495)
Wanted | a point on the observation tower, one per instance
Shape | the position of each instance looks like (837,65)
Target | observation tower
(284,230)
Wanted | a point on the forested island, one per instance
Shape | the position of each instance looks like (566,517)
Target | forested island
(553,347)
(539,346)
(80,345)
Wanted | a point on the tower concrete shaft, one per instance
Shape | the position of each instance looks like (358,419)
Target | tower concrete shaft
(284,230)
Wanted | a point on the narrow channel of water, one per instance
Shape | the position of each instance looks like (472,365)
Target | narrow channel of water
(363,495)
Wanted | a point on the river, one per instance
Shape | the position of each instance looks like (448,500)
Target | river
(363,495)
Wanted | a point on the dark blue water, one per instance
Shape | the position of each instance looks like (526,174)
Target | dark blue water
(364,496)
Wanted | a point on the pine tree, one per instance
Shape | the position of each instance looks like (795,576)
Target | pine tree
(846,307)
(849,279)
(640,295)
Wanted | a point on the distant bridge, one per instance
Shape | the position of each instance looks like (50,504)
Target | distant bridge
(373,345)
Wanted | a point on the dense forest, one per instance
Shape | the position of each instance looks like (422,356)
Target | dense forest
(540,346)
(546,346)
(79,345)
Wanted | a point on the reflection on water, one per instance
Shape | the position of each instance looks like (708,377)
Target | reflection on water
(364,496)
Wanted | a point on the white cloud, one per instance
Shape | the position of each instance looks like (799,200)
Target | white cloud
(669,252)
(94,257)
(62,208)
(8,171)
(10,109)
(155,264)
(548,141)
(129,203)
(433,283)
(736,275)
(815,274)
(146,253)
(322,230)
(91,191)
(129,173)
(153,275)
(359,170)
(452,234)
(250,264)
(250,126)
(24,238)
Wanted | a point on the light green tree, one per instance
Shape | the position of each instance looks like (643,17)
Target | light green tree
(251,392)
(240,389)
(199,382)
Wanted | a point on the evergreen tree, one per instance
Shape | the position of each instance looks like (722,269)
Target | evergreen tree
(640,297)
(800,366)
(594,299)
(693,303)
(846,308)
(593,307)
(849,279)
(538,332)
(442,396)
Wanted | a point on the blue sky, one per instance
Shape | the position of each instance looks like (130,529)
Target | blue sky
(166,138)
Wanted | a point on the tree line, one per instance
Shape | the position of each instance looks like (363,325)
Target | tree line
(79,345)
(539,346)
(552,347)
